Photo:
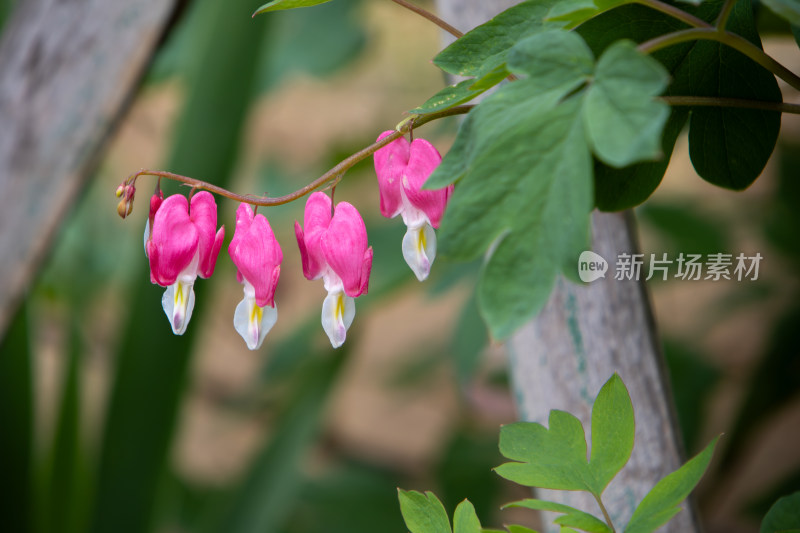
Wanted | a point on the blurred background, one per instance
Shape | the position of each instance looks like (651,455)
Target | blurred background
(112,424)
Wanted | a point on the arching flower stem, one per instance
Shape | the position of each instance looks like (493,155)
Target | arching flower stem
(333,175)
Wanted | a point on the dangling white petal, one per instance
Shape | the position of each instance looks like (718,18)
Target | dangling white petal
(419,249)
(178,304)
(338,311)
(253,322)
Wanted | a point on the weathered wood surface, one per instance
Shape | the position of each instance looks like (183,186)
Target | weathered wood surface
(561,359)
(67,71)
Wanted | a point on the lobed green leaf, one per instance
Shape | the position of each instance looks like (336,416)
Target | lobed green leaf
(423,513)
(552,458)
(661,503)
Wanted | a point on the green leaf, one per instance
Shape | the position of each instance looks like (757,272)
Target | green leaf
(571,517)
(533,152)
(616,189)
(465,520)
(277,5)
(423,513)
(623,120)
(489,79)
(783,516)
(448,97)
(485,47)
(552,458)
(700,68)
(574,12)
(552,58)
(454,163)
(661,503)
(513,528)
(729,147)
(788,9)
(612,431)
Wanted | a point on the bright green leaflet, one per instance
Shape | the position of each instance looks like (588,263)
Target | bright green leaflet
(661,503)
(465,520)
(277,5)
(571,518)
(556,458)
(623,120)
(551,59)
(783,516)
(788,9)
(484,48)
(612,431)
(423,513)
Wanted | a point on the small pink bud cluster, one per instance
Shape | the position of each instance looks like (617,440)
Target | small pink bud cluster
(182,242)
(125,193)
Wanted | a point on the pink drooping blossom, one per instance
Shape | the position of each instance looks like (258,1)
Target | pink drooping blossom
(183,244)
(257,255)
(335,248)
(402,168)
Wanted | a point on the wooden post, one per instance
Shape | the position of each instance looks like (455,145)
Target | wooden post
(561,358)
(67,73)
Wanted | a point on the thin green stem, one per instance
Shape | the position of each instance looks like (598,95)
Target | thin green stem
(730,39)
(605,513)
(725,12)
(430,16)
(713,101)
(675,12)
(333,175)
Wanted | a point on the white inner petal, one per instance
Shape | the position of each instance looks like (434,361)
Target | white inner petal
(253,322)
(419,249)
(338,312)
(178,304)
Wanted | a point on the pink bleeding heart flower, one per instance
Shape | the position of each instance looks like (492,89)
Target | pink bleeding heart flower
(257,255)
(335,248)
(182,245)
(402,168)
